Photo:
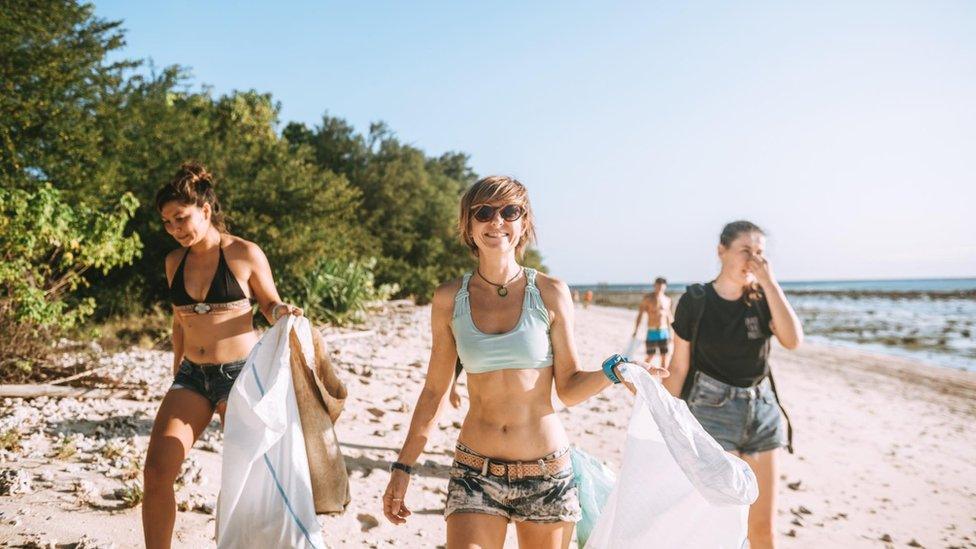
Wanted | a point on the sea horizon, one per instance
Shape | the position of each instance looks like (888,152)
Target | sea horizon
(931,284)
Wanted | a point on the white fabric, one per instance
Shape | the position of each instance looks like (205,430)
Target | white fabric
(265,490)
(677,487)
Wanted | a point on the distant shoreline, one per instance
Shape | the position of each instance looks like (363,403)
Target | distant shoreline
(927,326)
(951,287)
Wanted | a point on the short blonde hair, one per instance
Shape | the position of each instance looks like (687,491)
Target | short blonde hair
(495,189)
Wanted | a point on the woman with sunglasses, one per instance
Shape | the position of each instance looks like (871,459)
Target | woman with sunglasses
(512,328)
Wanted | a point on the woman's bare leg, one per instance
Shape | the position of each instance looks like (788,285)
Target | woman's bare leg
(762,513)
(181,419)
(475,530)
(544,535)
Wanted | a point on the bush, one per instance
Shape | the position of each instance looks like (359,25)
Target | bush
(339,291)
(46,246)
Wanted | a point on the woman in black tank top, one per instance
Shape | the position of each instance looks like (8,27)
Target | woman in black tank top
(213,281)
(730,322)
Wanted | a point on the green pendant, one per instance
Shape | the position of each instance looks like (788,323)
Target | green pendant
(502,291)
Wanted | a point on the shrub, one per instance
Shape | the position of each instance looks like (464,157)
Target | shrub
(339,291)
(46,246)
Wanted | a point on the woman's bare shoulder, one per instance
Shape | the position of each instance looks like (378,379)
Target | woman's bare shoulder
(445,293)
(553,290)
(238,248)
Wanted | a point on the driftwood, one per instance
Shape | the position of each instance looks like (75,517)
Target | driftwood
(79,375)
(29,390)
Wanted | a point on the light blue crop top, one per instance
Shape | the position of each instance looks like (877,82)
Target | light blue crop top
(527,345)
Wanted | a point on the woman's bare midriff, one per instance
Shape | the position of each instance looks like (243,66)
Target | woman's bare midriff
(511,417)
(219,337)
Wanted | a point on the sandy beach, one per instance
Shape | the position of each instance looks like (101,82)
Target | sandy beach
(884,446)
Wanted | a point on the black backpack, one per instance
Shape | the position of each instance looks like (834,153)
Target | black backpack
(696,292)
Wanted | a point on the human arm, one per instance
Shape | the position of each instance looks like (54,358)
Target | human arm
(785,324)
(177,342)
(573,385)
(682,323)
(667,315)
(640,316)
(678,366)
(440,375)
(170,265)
(262,285)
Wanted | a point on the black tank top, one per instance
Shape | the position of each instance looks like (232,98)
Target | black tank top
(224,287)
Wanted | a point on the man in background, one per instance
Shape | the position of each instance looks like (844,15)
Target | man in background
(657,307)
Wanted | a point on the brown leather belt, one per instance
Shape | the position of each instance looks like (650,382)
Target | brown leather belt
(204,308)
(514,470)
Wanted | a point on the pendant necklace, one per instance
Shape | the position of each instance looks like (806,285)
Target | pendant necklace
(500,289)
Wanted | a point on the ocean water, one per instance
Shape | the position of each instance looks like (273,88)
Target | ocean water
(931,320)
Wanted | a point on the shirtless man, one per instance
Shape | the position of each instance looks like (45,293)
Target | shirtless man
(657,307)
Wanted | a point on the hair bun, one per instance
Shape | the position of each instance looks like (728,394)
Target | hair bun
(196,173)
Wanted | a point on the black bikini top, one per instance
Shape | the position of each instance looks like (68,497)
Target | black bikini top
(224,287)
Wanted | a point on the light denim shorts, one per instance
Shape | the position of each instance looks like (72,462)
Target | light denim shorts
(742,419)
(537,499)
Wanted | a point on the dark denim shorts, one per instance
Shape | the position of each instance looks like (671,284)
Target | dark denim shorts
(742,419)
(210,380)
(534,499)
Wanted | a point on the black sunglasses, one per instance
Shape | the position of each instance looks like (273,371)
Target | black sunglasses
(510,212)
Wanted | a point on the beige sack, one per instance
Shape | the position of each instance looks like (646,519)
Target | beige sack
(321,395)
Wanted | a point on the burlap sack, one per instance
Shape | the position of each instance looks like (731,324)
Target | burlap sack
(321,395)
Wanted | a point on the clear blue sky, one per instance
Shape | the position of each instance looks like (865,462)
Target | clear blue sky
(847,129)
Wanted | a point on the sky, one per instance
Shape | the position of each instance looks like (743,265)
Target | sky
(847,130)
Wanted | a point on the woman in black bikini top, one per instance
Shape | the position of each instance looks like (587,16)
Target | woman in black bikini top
(224,293)
(212,335)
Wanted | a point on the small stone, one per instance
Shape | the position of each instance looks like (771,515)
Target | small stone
(885,537)
(15,481)
(367,522)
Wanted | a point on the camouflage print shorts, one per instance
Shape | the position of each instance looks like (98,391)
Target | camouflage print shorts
(535,499)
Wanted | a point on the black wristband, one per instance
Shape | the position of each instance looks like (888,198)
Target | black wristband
(403,467)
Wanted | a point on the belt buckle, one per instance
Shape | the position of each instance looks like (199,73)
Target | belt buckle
(201,308)
(519,471)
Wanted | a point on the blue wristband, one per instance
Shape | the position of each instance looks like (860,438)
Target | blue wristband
(608,365)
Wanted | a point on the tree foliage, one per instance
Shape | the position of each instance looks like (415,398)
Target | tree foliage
(85,143)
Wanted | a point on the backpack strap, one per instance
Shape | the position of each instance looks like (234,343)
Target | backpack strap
(696,292)
(772,383)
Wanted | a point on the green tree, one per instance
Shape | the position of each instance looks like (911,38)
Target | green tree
(274,193)
(59,104)
(409,201)
(58,97)
(46,245)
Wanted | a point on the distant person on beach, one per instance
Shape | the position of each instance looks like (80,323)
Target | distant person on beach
(576,296)
(512,328)
(213,278)
(657,307)
(720,364)
(587,299)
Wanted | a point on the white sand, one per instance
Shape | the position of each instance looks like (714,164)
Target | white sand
(884,448)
